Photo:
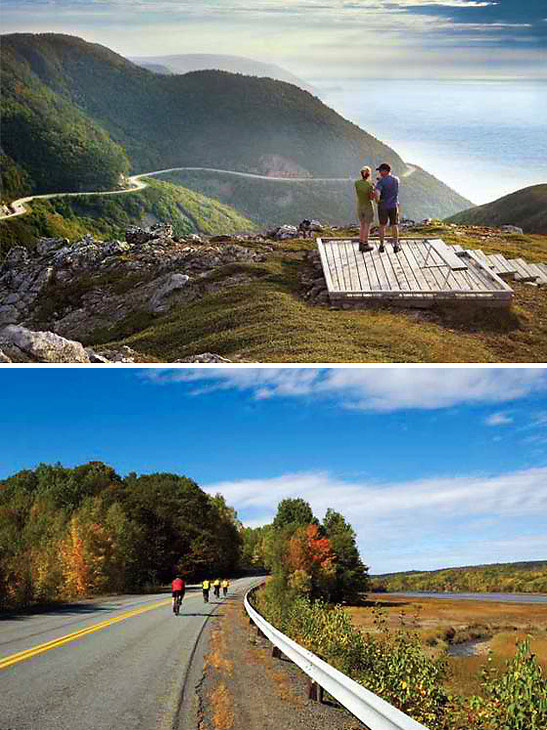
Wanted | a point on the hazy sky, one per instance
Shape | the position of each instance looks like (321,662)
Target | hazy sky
(433,467)
(313,38)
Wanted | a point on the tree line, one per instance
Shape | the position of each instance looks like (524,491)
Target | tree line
(72,532)
(66,533)
(524,577)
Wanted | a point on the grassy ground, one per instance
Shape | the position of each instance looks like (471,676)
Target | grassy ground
(440,622)
(265,320)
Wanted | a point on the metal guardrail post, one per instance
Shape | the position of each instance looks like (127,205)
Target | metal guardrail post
(375,712)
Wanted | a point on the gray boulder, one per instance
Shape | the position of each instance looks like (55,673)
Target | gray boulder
(286,231)
(158,303)
(23,345)
(511,229)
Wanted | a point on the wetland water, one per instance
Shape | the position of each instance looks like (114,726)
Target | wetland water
(495,597)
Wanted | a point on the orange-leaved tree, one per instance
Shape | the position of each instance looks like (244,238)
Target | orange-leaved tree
(310,562)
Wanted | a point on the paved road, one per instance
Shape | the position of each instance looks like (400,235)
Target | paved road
(18,206)
(117,663)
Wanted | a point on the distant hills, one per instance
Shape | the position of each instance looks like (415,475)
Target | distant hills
(526,208)
(186,62)
(521,577)
(77,116)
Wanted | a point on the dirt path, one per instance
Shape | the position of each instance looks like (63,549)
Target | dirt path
(245,688)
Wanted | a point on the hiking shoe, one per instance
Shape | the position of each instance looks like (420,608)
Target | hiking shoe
(396,248)
(365,247)
(381,248)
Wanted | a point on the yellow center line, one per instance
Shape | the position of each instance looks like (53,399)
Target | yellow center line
(40,648)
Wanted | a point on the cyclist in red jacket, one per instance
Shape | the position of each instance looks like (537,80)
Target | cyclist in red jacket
(177,587)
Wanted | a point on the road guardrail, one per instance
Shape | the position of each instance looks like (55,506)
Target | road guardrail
(375,712)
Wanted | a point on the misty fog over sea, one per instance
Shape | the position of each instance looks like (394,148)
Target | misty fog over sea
(483,138)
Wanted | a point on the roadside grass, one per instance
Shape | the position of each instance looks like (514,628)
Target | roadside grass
(265,320)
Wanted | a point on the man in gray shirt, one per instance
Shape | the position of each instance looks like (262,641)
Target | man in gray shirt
(387,195)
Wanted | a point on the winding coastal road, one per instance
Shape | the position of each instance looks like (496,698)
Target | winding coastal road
(121,662)
(18,207)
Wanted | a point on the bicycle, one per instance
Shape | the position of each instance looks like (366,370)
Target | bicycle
(176,605)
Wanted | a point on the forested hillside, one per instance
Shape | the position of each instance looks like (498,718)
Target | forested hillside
(98,110)
(67,533)
(527,577)
(271,202)
(526,208)
(107,216)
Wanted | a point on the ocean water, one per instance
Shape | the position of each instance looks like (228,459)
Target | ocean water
(483,138)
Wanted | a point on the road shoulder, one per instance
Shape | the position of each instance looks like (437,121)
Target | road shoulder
(243,687)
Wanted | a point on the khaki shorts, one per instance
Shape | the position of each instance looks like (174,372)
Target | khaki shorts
(366,216)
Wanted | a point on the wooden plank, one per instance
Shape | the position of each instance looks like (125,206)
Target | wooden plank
(447,254)
(457,248)
(500,265)
(332,267)
(344,285)
(383,283)
(416,282)
(523,273)
(359,266)
(396,262)
(541,275)
(325,265)
(436,266)
(387,272)
(346,250)
(492,280)
(423,275)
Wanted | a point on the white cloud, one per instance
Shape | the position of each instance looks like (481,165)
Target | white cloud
(375,389)
(420,523)
(498,419)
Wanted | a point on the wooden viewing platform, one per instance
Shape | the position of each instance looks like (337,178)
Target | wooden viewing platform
(423,273)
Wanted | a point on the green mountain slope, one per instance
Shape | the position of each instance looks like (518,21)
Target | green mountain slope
(270,202)
(205,119)
(523,577)
(526,208)
(108,216)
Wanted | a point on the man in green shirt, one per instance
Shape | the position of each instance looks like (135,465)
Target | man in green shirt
(364,190)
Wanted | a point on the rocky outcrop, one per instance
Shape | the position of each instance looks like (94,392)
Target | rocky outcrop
(312,281)
(73,289)
(19,344)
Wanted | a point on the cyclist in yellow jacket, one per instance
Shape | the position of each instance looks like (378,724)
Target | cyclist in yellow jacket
(225,584)
(216,587)
(205,587)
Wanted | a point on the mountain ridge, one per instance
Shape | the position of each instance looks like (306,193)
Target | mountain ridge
(186,62)
(139,120)
(525,208)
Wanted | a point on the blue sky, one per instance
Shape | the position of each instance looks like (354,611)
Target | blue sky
(433,467)
(314,38)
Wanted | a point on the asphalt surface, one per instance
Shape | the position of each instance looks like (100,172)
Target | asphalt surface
(121,662)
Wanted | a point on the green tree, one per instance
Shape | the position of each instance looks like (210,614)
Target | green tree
(351,574)
(295,512)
